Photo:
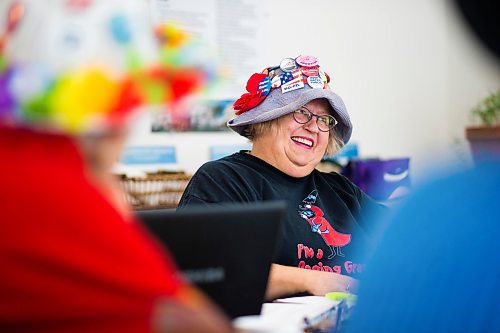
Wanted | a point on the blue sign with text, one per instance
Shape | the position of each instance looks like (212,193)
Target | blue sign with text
(149,155)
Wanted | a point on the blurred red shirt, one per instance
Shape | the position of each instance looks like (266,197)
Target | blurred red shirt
(69,262)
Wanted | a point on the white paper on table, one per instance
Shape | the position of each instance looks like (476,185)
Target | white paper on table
(285,314)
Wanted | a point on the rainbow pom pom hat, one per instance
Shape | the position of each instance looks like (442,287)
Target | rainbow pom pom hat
(80,66)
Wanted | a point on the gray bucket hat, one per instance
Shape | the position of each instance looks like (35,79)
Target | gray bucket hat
(283,97)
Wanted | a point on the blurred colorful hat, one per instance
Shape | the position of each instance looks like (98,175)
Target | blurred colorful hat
(79,66)
(284,88)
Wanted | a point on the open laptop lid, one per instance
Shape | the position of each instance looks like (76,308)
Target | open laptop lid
(226,250)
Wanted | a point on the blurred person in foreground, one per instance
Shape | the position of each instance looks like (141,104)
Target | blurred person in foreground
(436,268)
(72,256)
(293,119)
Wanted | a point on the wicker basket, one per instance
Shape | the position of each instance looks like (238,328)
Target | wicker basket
(156,190)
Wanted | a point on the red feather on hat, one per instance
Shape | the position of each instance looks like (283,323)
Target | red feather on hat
(253,97)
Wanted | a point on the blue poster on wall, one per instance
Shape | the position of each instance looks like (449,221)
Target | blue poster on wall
(217,152)
(149,155)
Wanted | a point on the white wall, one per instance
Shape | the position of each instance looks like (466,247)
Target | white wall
(409,72)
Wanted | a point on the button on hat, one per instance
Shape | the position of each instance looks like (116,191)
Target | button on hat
(288,93)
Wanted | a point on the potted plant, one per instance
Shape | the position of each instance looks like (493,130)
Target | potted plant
(484,139)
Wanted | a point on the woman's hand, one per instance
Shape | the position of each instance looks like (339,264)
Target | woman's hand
(319,283)
(286,280)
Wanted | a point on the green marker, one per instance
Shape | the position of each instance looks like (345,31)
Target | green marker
(341,296)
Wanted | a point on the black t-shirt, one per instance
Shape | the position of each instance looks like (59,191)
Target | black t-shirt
(330,221)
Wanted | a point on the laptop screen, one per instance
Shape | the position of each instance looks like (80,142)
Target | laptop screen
(226,250)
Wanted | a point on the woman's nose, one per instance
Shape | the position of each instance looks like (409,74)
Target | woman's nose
(312,125)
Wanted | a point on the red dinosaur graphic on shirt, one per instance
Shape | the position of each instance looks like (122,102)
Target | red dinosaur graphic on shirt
(315,216)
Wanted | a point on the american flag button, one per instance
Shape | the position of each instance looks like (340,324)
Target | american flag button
(307,61)
(295,75)
(286,77)
(288,65)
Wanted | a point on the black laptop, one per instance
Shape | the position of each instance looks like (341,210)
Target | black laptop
(226,250)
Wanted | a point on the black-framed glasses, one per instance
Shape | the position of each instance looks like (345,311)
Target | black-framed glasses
(325,122)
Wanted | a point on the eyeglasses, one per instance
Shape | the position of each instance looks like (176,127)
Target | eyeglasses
(325,122)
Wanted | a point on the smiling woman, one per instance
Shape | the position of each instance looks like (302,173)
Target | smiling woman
(293,118)
(296,147)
